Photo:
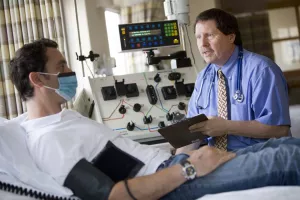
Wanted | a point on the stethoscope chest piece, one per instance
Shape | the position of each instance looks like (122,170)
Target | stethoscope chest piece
(238,96)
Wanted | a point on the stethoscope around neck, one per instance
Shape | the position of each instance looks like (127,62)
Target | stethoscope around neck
(238,95)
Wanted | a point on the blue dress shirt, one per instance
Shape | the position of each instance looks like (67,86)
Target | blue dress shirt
(264,88)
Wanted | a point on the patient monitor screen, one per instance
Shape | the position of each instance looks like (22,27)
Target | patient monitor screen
(149,35)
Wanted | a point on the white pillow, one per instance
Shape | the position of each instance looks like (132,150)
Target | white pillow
(16,165)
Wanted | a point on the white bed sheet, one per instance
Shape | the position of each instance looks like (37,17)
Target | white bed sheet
(295,120)
(264,193)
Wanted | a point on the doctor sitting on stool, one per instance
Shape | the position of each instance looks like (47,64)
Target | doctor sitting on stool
(243,94)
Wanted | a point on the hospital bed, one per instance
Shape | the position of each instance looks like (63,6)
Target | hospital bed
(265,193)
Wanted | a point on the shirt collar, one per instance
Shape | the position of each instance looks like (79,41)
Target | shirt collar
(229,66)
(31,125)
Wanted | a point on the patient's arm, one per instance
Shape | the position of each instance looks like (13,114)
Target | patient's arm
(150,187)
(154,186)
(188,148)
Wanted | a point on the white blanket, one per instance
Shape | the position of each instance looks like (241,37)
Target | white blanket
(265,193)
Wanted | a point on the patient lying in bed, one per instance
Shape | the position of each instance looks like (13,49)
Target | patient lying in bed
(25,173)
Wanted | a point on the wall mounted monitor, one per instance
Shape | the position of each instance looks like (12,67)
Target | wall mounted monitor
(149,35)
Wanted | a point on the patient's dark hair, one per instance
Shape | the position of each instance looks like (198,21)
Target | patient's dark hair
(30,58)
(225,22)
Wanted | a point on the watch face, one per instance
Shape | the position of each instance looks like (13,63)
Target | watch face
(190,171)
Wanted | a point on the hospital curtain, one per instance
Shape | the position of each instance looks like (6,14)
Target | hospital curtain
(21,22)
(256,33)
(151,10)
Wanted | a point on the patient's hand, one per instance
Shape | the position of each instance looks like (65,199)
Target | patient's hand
(207,159)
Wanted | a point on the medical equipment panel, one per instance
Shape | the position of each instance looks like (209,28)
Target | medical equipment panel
(137,105)
(149,35)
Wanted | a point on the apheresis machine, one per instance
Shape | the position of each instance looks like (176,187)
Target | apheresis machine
(137,105)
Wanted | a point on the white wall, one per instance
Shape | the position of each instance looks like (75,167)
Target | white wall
(92,33)
(72,38)
(97,27)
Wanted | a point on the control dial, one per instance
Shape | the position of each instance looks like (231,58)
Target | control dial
(161,124)
(137,107)
(181,106)
(169,116)
(122,110)
(130,126)
(157,78)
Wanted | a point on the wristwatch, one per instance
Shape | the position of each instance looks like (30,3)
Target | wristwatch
(188,170)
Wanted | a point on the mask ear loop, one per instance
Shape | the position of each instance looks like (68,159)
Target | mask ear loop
(51,75)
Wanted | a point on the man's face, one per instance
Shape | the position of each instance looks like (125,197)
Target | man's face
(56,64)
(213,45)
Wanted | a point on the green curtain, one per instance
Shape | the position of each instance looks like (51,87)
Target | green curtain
(21,22)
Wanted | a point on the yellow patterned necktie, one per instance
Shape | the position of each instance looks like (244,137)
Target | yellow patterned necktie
(221,141)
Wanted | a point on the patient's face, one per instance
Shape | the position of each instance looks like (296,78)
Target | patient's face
(56,64)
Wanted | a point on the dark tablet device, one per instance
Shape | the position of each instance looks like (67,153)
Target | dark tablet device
(178,135)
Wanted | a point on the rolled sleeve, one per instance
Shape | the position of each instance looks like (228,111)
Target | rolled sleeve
(270,98)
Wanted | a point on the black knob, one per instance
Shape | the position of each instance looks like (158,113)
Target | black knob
(157,78)
(169,116)
(122,109)
(161,124)
(130,126)
(137,107)
(147,120)
(181,106)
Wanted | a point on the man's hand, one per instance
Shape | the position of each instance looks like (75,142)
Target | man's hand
(214,126)
(207,159)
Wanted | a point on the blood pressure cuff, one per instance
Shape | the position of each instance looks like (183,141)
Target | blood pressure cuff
(117,164)
(88,182)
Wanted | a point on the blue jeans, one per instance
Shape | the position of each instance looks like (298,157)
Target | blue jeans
(275,162)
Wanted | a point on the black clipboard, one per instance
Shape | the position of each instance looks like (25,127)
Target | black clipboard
(178,135)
